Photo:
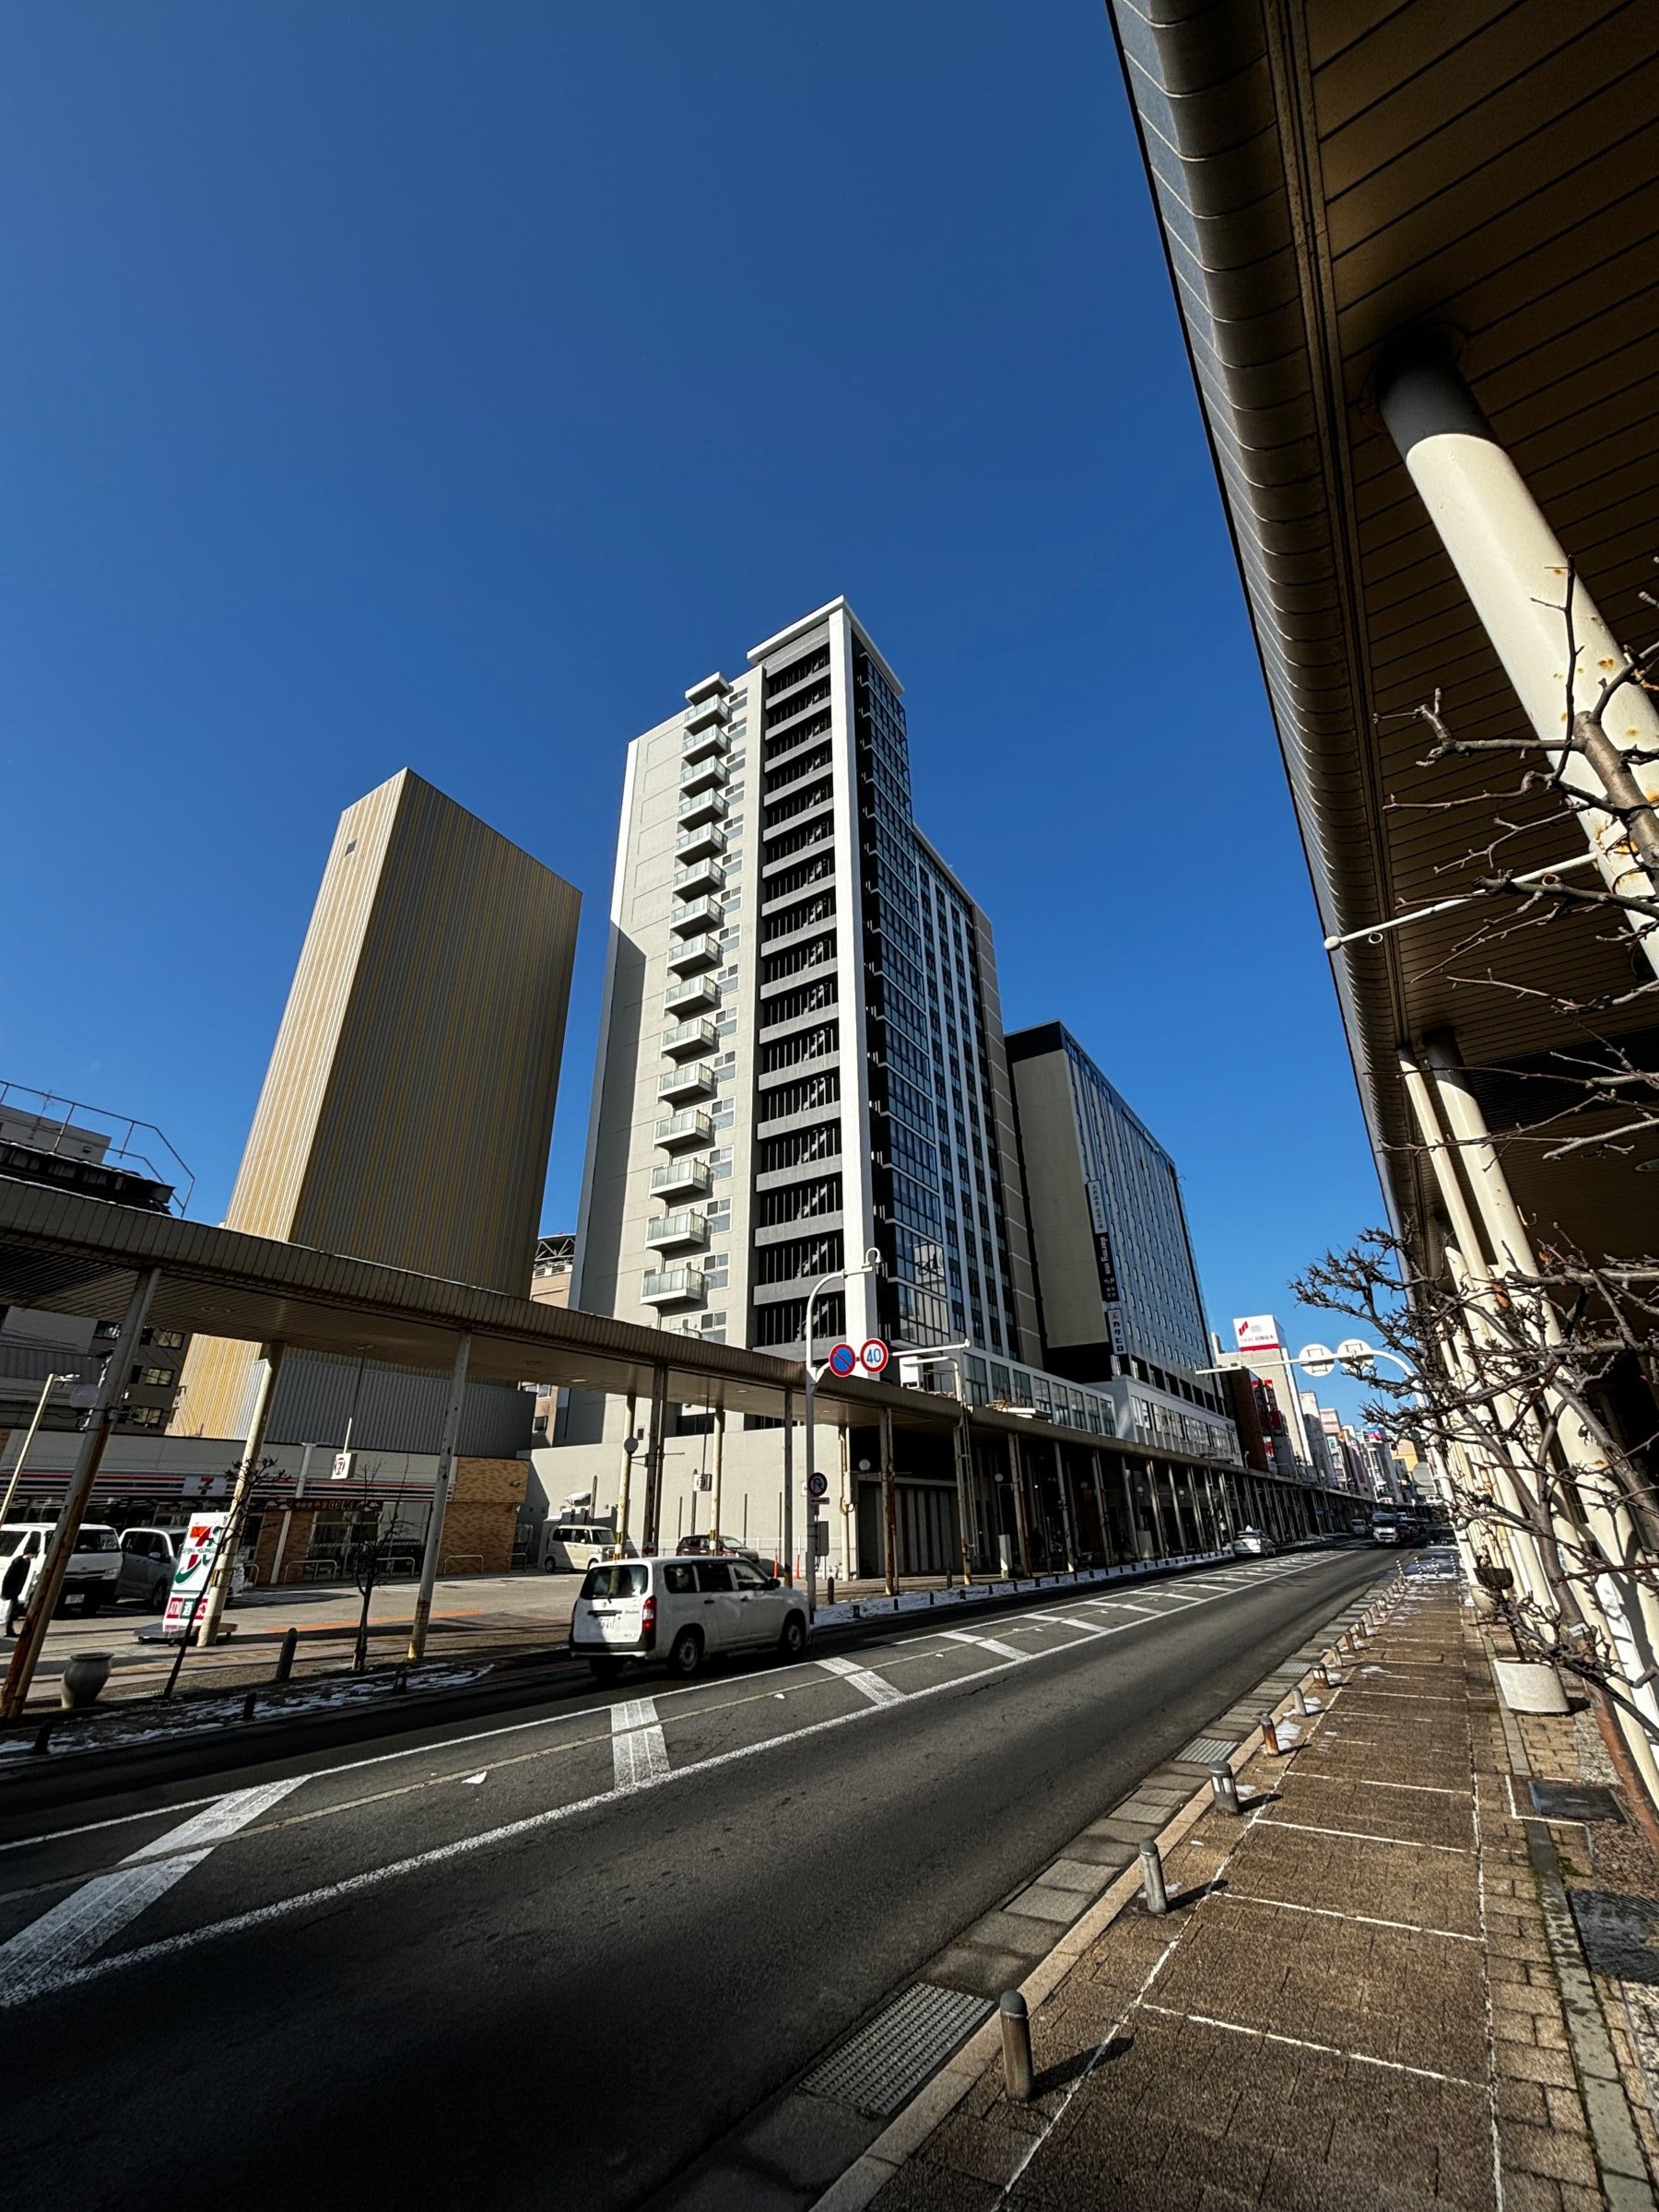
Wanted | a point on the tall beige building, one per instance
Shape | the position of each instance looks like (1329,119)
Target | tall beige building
(409,1104)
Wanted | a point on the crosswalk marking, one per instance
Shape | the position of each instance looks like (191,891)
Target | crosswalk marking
(874,1687)
(639,1754)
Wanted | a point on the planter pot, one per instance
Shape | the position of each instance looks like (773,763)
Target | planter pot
(1529,1686)
(84,1677)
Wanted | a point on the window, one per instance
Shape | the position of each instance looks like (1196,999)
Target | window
(679,1581)
(165,1340)
(747,1577)
(143,1416)
(614,1579)
(712,1574)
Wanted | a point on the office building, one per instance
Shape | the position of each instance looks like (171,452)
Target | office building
(1120,1304)
(802,1063)
(409,1104)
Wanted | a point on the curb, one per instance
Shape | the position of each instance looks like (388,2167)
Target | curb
(936,2100)
(148,1731)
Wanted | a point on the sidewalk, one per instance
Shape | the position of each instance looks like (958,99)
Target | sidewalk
(1355,2002)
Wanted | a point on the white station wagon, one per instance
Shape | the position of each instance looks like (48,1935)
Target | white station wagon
(682,1611)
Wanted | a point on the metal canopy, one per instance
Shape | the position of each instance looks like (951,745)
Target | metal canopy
(80,1255)
(1330,176)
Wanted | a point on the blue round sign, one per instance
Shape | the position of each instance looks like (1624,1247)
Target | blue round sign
(842,1360)
(818,1486)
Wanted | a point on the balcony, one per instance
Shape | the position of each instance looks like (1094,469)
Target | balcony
(688,1037)
(691,921)
(683,1231)
(707,741)
(673,1287)
(696,994)
(698,879)
(683,1178)
(707,775)
(694,1081)
(682,1133)
(701,806)
(706,841)
(691,960)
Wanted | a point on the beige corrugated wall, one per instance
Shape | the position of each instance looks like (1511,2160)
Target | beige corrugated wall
(409,1104)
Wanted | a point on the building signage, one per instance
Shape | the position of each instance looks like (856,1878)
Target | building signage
(197,1555)
(1105,1268)
(343,1464)
(1256,1333)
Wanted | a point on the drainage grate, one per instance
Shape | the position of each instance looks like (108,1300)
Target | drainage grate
(1573,1801)
(877,2069)
(1206,1751)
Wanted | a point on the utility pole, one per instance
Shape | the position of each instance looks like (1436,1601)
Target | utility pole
(61,1545)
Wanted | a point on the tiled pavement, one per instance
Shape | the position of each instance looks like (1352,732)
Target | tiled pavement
(1352,2006)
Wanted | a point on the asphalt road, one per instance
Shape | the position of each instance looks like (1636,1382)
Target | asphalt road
(547,1959)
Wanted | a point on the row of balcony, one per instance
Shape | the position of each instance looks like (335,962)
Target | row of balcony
(693,994)
(672,1287)
(683,1232)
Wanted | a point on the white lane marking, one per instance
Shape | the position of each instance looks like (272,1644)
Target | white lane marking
(1084,1628)
(64,1938)
(89,1828)
(1361,1835)
(989,1643)
(868,1684)
(59,1973)
(638,1752)
(1122,1604)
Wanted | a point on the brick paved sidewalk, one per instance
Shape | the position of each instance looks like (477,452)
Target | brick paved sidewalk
(1353,2005)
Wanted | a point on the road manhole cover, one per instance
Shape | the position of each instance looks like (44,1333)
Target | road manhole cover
(881,2067)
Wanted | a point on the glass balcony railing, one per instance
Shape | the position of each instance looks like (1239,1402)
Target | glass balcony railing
(683,1130)
(672,1287)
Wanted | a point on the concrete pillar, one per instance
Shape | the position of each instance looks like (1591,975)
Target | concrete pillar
(1515,572)
(889,1505)
(786,1534)
(656,1447)
(443,1482)
(1068,1510)
(1021,1526)
(221,1580)
(1630,1610)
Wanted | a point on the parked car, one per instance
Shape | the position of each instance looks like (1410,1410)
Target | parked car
(684,1611)
(572,1547)
(1385,1530)
(150,1559)
(94,1566)
(1251,1544)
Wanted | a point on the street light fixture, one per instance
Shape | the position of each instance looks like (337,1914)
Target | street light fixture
(869,1264)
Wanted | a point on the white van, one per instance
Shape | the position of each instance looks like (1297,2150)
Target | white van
(572,1547)
(94,1566)
(682,1611)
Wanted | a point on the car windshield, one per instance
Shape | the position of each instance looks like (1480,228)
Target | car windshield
(98,1539)
(614,1580)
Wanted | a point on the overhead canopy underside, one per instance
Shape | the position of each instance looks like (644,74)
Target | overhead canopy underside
(1332,175)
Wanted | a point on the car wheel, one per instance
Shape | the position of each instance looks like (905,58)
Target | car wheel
(793,1641)
(156,1600)
(687,1654)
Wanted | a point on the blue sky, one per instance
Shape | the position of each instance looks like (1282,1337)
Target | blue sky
(450,385)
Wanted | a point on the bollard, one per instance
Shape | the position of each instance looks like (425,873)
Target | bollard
(285,1657)
(400,1681)
(1300,1695)
(1017,2077)
(43,1742)
(1332,1673)
(248,1707)
(1270,1742)
(1152,1877)
(829,1590)
(1224,1783)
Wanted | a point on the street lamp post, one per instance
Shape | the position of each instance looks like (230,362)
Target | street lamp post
(40,1413)
(869,1264)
